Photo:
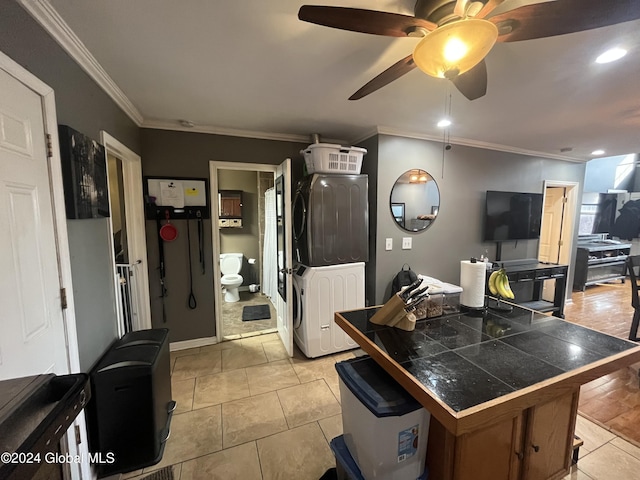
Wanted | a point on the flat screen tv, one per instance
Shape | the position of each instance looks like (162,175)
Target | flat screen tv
(512,216)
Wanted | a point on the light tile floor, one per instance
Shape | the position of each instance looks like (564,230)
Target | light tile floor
(247,411)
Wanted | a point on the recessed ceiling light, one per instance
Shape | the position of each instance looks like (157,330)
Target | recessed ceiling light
(444,123)
(597,152)
(611,55)
(187,123)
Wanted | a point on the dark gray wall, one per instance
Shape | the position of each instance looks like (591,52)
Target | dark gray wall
(84,106)
(370,167)
(80,102)
(95,301)
(186,154)
(463,176)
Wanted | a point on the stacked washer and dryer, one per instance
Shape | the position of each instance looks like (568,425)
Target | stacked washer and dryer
(331,241)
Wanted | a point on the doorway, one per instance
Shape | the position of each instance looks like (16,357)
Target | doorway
(129,235)
(556,231)
(243,198)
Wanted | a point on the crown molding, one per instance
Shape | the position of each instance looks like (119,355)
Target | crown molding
(365,136)
(44,13)
(233,132)
(47,16)
(381,130)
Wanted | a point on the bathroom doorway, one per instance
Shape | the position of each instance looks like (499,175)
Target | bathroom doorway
(243,219)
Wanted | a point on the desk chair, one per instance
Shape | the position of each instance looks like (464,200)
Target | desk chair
(633,262)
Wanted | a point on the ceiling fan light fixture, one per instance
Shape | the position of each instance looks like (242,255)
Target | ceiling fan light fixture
(455,48)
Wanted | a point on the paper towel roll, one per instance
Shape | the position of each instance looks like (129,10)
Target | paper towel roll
(472,281)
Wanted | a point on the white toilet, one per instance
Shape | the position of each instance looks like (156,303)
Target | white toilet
(230,265)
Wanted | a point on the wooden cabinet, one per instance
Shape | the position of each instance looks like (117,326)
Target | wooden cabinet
(478,432)
(230,208)
(536,444)
(548,440)
(230,204)
(490,453)
(600,262)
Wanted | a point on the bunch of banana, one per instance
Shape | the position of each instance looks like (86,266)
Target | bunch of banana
(499,284)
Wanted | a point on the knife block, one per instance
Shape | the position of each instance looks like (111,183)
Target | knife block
(393,314)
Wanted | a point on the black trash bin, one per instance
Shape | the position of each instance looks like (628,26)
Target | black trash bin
(130,411)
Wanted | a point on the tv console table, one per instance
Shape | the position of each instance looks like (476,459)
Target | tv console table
(527,279)
(600,261)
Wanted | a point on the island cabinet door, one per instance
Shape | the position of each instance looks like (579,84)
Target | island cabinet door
(490,453)
(549,438)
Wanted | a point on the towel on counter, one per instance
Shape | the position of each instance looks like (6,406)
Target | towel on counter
(438,286)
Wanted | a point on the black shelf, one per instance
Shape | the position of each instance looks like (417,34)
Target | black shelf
(599,262)
(527,277)
(539,305)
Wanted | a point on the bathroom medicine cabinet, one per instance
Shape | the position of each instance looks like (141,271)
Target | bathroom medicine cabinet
(230,208)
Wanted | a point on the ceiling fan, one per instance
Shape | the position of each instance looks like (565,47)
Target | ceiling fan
(458,34)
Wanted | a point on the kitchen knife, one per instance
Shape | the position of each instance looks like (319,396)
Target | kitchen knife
(406,293)
(416,294)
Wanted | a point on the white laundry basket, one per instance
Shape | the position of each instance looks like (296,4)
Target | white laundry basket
(384,428)
(330,158)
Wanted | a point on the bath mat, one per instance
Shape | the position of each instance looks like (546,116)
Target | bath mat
(255,312)
(165,473)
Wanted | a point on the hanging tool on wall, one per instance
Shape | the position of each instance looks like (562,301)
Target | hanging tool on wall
(163,289)
(200,240)
(191,300)
(168,232)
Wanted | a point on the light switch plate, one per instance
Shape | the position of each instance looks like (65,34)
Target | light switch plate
(406,243)
(388,244)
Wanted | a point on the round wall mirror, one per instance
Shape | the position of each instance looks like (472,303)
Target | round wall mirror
(415,200)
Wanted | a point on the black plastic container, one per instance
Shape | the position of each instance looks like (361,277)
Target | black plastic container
(131,408)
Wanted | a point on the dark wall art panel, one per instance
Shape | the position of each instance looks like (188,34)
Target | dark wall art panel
(84,170)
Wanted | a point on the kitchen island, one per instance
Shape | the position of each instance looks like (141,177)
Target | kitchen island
(502,387)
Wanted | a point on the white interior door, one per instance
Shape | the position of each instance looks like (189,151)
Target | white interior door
(551,233)
(551,229)
(32,331)
(284,299)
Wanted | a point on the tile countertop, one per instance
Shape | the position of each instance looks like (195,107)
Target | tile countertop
(461,364)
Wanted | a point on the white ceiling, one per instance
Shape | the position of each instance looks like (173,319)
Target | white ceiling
(251,67)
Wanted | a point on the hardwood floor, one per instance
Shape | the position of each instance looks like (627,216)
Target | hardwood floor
(612,401)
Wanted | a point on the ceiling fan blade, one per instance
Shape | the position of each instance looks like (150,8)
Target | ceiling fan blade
(473,84)
(364,21)
(489,7)
(563,16)
(389,75)
(460,8)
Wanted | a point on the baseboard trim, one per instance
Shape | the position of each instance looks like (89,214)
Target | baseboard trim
(196,342)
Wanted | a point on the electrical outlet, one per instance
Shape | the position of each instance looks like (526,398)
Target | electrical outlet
(388,244)
(406,243)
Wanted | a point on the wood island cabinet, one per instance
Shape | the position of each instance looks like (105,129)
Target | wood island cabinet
(503,404)
(536,444)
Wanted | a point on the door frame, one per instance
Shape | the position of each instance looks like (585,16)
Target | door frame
(214,166)
(568,224)
(135,219)
(83,469)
